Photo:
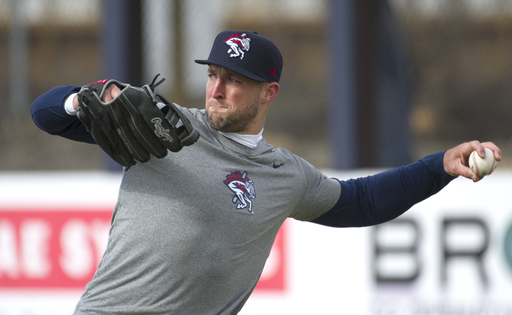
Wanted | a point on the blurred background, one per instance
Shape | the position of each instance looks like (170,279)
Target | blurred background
(365,83)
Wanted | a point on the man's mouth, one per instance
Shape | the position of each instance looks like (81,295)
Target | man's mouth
(217,107)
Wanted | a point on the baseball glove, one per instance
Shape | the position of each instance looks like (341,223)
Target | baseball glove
(136,124)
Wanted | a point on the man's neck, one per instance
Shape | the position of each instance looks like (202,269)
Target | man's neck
(248,140)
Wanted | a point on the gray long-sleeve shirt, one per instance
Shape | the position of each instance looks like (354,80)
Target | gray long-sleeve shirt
(191,232)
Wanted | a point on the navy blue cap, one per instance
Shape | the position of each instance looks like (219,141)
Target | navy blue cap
(248,54)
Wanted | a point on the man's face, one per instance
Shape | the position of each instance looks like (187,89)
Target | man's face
(232,101)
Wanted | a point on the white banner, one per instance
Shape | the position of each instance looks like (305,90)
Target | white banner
(451,254)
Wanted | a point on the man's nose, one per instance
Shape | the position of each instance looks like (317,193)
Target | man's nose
(218,91)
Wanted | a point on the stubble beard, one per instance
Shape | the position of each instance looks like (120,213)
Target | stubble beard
(237,120)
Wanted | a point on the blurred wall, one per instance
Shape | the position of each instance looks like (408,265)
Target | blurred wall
(458,54)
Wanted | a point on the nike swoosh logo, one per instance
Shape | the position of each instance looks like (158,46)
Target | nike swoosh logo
(277,164)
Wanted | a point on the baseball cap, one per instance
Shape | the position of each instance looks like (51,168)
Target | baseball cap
(246,53)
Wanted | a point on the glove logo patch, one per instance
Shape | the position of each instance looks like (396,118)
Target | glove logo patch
(160,131)
(238,43)
(243,188)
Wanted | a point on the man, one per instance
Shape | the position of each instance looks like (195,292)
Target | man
(191,232)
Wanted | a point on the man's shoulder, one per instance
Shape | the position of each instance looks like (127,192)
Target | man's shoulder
(284,156)
(193,114)
(190,110)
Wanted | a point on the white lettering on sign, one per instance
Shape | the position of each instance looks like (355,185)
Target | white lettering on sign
(27,256)
(82,246)
(77,258)
(34,241)
(51,249)
(8,250)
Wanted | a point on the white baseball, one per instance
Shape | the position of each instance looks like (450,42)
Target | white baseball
(480,166)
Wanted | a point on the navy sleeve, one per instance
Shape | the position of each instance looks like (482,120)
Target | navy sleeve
(49,115)
(384,196)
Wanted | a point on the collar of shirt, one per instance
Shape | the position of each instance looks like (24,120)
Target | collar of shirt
(250,141)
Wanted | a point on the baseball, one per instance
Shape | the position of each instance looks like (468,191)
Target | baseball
(480,166)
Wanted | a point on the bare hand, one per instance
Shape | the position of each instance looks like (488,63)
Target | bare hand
(75,102)
(455,160)
(110,93)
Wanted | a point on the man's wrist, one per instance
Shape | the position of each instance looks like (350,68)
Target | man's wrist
(68,105)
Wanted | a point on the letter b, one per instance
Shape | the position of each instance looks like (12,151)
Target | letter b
(395,247)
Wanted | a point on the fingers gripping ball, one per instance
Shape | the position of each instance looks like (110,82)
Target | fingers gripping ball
(134,125)
(482,166)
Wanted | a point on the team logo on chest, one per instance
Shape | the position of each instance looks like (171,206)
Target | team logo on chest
(238,44)
(243,188)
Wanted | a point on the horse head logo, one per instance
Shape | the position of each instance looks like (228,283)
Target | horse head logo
(243,188)
(238,43)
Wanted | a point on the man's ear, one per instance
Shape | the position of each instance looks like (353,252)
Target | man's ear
(271,91)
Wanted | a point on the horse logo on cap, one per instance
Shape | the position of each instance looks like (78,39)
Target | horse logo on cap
(238,43)
(243,188)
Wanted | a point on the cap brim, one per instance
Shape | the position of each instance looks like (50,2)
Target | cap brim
(232,67)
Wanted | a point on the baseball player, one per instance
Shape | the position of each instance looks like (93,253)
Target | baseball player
(191,230)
